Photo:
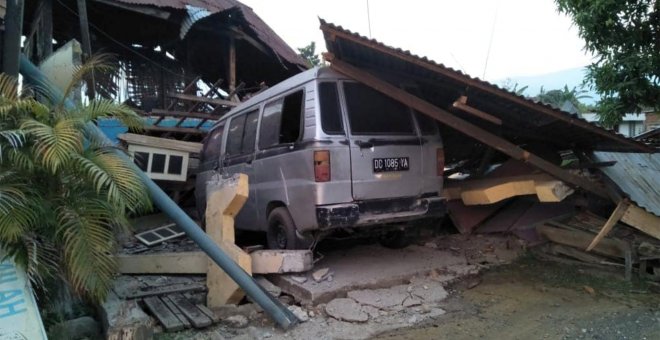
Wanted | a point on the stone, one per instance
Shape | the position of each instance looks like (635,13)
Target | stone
(433,293)
(412,301)
(80,328)
(373,312)
(285,299)
(299,279)
(236,321)
(268,286)
(344,309)
(381,298)
(320,274)
(299,313)
(122,318)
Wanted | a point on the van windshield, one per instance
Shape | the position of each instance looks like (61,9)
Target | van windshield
(373,113)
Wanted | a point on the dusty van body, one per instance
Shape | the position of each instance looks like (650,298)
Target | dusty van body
(323,152)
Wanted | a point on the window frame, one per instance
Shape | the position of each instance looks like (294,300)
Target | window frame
(283,96)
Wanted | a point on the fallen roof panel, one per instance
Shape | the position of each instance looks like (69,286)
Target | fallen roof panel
(637,175)
(521,117)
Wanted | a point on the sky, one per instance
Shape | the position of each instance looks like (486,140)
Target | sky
(529,37)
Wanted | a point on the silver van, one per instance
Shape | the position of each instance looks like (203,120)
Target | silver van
(325,153)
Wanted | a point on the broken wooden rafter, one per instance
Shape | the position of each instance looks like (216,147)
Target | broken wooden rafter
(164,143)
(461,104)
(463,126)
(614,218)
(191,131)
(194,98)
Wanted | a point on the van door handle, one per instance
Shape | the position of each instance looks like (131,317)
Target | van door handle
(364,145)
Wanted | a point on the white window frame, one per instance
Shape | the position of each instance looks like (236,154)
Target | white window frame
(132,149)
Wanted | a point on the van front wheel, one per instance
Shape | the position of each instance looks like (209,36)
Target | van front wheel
(281,233)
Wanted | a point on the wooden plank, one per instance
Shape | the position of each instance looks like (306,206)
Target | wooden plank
(192,131)
(211,314)
(177,312)
(164,263)
(194,98)
(581,239)
(463,126)
(642,220)
(231,60)
(198,115)
(477,113)
(194,287)
(165,143)
(493,190)
(478,84)
(614,218)
(190,311)
(164,315)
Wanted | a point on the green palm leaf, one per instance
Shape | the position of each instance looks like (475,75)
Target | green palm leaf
(85,227)
(54,145)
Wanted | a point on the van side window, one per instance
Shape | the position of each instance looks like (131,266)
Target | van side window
(331,122)
(242,133)
(235,135)
(250,134)
(282,121)
(212,146)
(373,113)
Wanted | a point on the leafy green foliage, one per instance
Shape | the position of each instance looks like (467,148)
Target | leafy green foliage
(62,195)
(560,97)
(309,53)
(625,37)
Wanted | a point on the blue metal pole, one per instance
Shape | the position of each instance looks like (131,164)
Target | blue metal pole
(273,307)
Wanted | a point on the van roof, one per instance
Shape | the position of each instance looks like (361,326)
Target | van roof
(323,72)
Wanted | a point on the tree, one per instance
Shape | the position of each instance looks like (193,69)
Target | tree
(560,97)
(512,86)
(309,53)
(625,37)
(63,194)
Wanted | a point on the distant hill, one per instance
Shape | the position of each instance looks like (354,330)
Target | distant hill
(556,80)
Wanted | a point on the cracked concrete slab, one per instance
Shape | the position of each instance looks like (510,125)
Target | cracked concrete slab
(346,310)
(370,267)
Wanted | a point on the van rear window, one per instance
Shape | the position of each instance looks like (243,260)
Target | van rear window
(372,113)
(330,111)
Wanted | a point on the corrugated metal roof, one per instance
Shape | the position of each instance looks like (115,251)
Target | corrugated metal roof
(637,175)
(262,31)
(524,120)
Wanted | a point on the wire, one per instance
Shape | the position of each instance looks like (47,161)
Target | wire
(490,43)
(130,49)
(369,19)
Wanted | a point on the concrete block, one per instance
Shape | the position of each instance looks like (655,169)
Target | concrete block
(281,261)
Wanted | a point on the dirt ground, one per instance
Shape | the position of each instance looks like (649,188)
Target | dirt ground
(533,299)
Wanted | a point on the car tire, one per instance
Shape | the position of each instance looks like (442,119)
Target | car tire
(281,233)
(395,239)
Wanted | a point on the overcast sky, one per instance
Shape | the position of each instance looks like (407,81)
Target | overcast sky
(529,37)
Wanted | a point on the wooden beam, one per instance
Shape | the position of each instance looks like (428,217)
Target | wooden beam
(173,129)
(45,44)
(195,262)
(183,114)
(232,65)
(165,143)
(642,220)
(462,105)
(11,49)
(481,85)
(493,190)
(194,98)
(463,126)
(614,218)
(580,239)
(86,44)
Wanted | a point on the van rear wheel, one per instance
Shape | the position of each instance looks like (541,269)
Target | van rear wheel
(281,233)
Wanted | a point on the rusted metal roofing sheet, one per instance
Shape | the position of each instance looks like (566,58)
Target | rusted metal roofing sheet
(262,31)
(637,175)
(523,120)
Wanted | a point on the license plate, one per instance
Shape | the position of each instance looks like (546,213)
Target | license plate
(391,164)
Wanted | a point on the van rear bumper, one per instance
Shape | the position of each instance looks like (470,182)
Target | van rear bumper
(365,213)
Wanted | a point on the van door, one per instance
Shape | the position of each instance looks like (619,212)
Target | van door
(239,155)
(209,164)
(386,151)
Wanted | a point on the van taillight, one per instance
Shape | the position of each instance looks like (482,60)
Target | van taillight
(322,166)
(440,161)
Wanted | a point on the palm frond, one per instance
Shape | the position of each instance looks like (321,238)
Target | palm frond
(8,87)
(19,206)
(96,63)
(54,145)
(85,227)
(41,259)
(110,176)
(19,159)
(107,108)
(12,138)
